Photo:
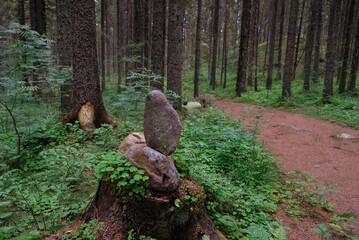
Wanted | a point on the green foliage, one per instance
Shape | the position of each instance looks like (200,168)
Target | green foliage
(26,68)
(130,180)
(88,231)
(136,236)
(323,231)
(299,193)
(218,155)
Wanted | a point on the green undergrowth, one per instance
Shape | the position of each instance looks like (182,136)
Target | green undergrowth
(56,179)
(240,177)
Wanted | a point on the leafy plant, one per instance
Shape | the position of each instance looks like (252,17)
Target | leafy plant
(88,231)
(130,180)
(323,231)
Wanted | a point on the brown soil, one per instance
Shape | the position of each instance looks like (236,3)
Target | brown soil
(309,145)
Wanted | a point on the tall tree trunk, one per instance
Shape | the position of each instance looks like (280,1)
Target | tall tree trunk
(197,62)
(21,11)
(175,50)
(139,32)
(298,39)
(108,41)
(346,48)
(309,46)
(289,53)
(215,44)
(355,61)
(241,83)
(318,31)
(280,41)
(252,45)
(103,70)
(224,54)
(257,10)
(38,16)
(331,49)
(64,46)
(158,41)
(271,44)
(87,97)
(147,26)
(119,20)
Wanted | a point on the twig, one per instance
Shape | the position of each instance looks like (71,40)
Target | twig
(14,123)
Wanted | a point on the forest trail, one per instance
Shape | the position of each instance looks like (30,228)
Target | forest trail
(307,144)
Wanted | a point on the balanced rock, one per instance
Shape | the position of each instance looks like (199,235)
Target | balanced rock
(161,124)
(133,138)
(162,173)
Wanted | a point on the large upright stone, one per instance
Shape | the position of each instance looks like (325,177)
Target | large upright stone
(161,124)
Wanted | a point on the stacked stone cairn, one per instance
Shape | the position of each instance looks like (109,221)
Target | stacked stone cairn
(152,151)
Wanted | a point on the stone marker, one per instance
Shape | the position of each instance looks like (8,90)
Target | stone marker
(193,106)
(161,124)
(160,169)
(133,138)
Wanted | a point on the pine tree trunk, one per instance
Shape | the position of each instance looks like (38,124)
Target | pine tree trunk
(280,41)
(197,66)
(103,70)
(355,61)
(21,11)
(87,97)
(257,10)
(108,42)
(331,49)
(289,53)
(309,46)
(158,41)
(139,32)
(272,44)
(215,44)
(64,46)
(346,48)
(296,63)
(318,31)
(119,20)
(175,50)
(241,83)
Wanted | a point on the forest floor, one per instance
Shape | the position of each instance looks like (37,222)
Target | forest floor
(306,144)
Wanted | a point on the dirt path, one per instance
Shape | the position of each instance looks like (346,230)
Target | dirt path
(308,144)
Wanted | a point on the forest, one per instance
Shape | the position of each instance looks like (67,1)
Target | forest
(179,119)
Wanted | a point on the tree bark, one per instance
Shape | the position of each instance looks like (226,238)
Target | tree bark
(355,61)
(257,9)
(318,31)
(309,46)
(175,50)
(280,41)
(103,69)
(346,48)
(298,40)
(271,44)
(64,46)
(289,53)
(241,83)
(197,62)
(158,42)
(38,16)
(21,11)
(331,49)
(86,83)
(139,32)
(215,44)
(119,20)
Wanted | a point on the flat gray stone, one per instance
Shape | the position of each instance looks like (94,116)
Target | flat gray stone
(161,124)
